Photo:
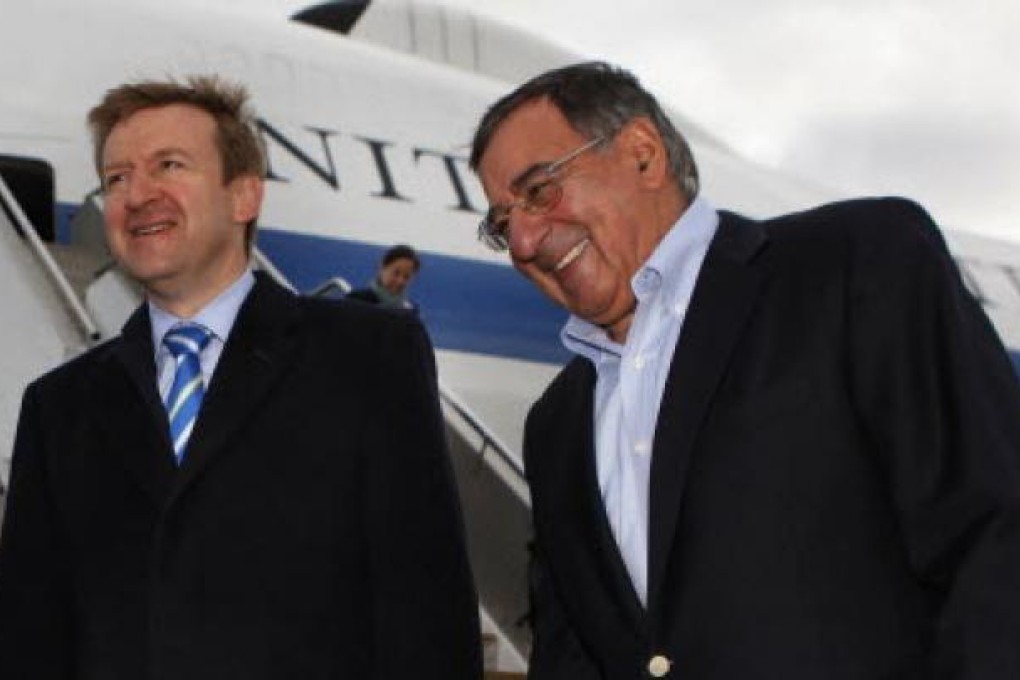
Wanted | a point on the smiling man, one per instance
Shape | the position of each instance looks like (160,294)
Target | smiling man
(786,448)
(245,484)
(171,218)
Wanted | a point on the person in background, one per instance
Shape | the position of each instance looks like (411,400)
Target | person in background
(244,484)
(786,448)
(399,266)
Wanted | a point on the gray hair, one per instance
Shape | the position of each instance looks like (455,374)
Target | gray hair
(597,99)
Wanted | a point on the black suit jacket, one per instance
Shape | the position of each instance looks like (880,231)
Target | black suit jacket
(312,531)
(835,482)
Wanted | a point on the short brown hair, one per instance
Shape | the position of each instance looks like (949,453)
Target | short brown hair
(237,138)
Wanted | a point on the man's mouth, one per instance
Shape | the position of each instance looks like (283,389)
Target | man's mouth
(571,255)
(150,229)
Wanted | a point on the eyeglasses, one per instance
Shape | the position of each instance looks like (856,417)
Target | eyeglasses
(537,197)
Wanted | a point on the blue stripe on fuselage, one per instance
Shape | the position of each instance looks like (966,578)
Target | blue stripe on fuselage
(467,305)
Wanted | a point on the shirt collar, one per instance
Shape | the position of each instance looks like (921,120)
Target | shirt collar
(218,316)
(681,249)
(678,256)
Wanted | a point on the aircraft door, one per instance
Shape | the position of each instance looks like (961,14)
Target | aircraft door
(31,182)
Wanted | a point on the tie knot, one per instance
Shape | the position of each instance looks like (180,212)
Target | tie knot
(187,338)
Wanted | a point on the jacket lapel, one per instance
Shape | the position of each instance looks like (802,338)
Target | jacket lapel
(130,409)
(724,295)
(254,357)
(579,530)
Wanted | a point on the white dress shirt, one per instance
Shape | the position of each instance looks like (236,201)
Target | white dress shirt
(631,378)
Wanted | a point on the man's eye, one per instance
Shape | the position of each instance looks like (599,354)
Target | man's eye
(170,164)
(533,193)
(540,196)
(112,181)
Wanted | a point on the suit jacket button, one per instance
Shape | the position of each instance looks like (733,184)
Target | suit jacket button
(658,666)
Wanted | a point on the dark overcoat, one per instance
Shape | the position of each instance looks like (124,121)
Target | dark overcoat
(311,533)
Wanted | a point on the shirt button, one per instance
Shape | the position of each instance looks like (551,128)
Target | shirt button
(658,666)
(646,281)
(642,448)
(639,361)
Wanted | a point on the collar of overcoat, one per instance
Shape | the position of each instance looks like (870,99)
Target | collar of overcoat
(260,347)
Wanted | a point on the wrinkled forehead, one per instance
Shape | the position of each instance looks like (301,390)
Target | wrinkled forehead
(532,136)
(155,128)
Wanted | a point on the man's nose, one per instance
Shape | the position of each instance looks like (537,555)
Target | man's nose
(525,234)
(141,189)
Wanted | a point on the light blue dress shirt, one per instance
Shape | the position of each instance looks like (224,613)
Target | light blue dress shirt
(630,379)
(218,316)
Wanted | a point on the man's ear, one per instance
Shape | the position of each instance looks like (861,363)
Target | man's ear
(643,147)
(247,192)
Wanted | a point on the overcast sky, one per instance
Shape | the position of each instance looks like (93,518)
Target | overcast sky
(910,97)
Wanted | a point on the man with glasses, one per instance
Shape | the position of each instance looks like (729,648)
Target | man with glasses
(786,448)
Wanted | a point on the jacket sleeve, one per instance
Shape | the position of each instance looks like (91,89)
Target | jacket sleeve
(424,602)
(940,401)
(35,602)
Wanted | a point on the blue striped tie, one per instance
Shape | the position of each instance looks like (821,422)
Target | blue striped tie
(185,342)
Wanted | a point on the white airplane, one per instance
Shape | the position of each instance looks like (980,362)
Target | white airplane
(366,110)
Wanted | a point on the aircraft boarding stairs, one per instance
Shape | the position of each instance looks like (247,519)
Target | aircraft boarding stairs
(60,299)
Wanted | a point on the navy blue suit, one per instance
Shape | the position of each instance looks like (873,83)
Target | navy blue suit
(835,483)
